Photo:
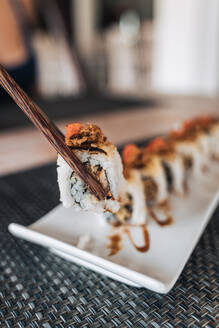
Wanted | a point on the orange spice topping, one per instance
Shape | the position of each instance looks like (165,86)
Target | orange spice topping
(156,144)
(189,124)
(130,153)
(206,120)
(203,121)
(176,133)
(72,129)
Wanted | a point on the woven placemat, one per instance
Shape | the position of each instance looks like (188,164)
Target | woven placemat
(41,290)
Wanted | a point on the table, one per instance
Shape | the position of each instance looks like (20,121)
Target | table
(22,148)
(41,290)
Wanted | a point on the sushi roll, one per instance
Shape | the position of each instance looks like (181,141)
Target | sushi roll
(214,140)
(198,128)
(172,163)
(149,169)
(133,209)
(210,126)
(192,145)
(156,188)
(198,139)
(101,159)
(154,179)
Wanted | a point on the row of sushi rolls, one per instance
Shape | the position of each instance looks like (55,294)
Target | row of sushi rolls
(140,181)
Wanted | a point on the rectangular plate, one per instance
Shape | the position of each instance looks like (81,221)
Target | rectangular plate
(64,231)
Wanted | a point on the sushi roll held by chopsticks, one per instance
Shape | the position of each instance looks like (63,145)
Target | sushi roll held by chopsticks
(101,159)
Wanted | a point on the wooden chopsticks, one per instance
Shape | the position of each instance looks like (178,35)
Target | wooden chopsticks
(51,132)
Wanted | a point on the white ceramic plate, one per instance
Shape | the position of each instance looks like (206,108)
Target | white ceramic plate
(65,232)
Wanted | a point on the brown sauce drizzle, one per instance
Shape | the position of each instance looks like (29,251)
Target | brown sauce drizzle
(168,221)
(165,208)
(146,245)
(115,244)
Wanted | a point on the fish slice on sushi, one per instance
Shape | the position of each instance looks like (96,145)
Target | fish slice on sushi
(101,159)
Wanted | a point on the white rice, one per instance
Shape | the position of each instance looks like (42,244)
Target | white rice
(214,140)
(193,150)
(135,188)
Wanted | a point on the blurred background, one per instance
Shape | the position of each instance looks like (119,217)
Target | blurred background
(80,59)
(77,56)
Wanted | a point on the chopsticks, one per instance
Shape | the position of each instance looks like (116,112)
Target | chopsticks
(51,132)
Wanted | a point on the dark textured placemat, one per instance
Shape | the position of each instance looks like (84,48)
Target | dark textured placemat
(41,290)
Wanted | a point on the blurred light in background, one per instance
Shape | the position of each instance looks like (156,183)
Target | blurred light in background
(186,47)
(129,24)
